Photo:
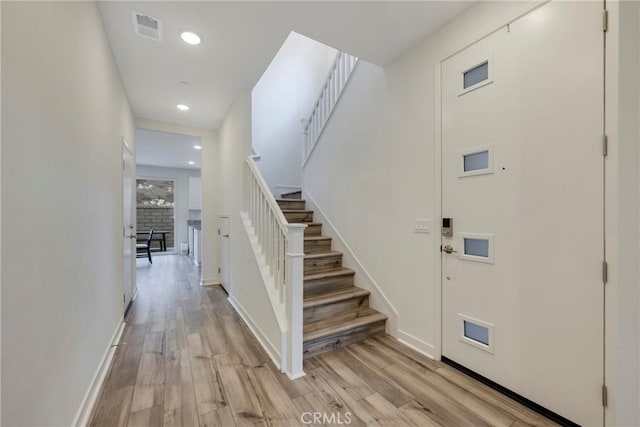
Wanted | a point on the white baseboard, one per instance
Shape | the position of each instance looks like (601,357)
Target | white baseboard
(91,396)
(210,282)
(271,350)
(416,343)
(135,294)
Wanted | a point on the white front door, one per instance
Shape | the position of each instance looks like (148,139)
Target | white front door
(129,232)
(522,176)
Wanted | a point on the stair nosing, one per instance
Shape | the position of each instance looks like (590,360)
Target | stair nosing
(290,200)
(296,210)
(343,295)
(329,273)
(345,326)
(317,238)
(322,254)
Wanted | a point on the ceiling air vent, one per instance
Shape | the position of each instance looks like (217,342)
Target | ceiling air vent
(147,26)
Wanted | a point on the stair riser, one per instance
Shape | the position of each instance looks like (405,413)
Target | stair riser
(317,246)
(298,217)
(332,342)
(313,230)
(294,195)
(292,204)
(318,265)
(336,312)
(327,283)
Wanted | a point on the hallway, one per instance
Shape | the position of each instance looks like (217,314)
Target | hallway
(187,359)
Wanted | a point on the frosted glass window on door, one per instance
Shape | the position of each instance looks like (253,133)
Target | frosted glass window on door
(476,332)
(476,75)
(476,247)
(476,161)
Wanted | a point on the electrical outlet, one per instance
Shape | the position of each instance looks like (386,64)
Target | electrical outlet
(422,225)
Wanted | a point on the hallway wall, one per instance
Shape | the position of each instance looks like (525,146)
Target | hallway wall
(286,94)
(64,113)
(247,291)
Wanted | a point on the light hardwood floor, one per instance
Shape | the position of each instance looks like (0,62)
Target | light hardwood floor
(187,359)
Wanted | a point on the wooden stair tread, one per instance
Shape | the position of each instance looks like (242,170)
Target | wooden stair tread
(331,273)
(316,238)
(322,254)
(371,316)
(334,296)
(289,200)
(296,211)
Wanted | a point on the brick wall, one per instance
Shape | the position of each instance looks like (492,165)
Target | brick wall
(156,218)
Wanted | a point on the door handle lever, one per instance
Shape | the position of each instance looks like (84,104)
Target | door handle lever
(448,249)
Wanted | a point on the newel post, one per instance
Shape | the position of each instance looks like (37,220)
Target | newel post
(294,298)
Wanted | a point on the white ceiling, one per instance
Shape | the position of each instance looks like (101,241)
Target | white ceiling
(240,39)
(164,149)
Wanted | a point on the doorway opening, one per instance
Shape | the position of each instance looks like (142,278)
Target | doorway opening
(168,194)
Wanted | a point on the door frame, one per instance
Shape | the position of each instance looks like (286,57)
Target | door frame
(134,287)
(221,254)
(609,234)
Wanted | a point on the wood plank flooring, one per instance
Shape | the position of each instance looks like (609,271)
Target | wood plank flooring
(187,359)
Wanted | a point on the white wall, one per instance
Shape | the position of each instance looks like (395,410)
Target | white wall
(285,94)
(210,191)
(376,168)
(247,290)
(64,114)
(181,210)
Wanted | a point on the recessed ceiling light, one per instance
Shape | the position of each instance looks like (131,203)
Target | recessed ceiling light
(190,37)
(192,163)
(198,147)
(183,107)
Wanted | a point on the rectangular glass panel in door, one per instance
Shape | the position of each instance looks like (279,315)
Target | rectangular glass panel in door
(476,332)
(476,247)
(476,161)
(476,75)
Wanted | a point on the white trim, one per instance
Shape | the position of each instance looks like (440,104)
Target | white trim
(135,292)
(478,236)
(489,348)
(369,283)
(271,350)
(416,344)
(477,150)
(91,396)
(296,376)
(211,281)
(486,60)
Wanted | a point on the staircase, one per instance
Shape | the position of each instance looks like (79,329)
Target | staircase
(336,313)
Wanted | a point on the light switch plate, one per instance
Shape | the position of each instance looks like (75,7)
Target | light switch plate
(422,225)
